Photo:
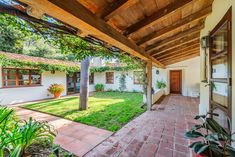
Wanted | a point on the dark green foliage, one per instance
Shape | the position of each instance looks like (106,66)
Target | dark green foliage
(11,39)
(161,84)
(213,139)
(99,87)
(16,136)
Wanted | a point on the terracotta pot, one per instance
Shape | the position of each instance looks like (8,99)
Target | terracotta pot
(57,95)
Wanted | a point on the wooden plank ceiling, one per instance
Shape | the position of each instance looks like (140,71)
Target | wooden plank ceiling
(164,31)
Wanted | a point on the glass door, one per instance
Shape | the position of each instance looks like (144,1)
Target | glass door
(220,70)
(73,83)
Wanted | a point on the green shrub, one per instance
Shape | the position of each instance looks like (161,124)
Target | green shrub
(99,87)
(161,84)
(16,136)
(56,88)
(210,138)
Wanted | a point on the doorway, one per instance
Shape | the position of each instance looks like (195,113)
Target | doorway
(176,81)
(73,83)
(220,67)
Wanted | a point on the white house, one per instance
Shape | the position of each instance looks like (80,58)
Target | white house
(20,85)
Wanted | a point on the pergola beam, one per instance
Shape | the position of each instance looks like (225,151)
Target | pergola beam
(111,7)
(177,43)
(178,48)
(157,16)
(175,37)
(76,15)
(183,22)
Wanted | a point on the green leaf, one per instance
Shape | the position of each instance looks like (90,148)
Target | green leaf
(196,146)
(202,149)
(230,150)
(193,134)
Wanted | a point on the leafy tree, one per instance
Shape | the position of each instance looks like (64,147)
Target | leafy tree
(10,37)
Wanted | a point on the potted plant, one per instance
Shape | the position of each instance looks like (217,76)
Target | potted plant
(211,139)
(56,90)
(161,84)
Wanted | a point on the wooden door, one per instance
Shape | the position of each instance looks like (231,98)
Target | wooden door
(176,81)
(220,67)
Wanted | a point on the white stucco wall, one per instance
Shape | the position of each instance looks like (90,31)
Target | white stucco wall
(219,7)
(190,76)
(23,94)
(101,78)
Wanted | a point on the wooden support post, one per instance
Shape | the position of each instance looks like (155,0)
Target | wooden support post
(149,85)
(84,84)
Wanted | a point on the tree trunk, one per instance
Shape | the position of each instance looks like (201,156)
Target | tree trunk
(84,84)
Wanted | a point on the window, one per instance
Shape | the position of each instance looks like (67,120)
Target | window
(138,77)
(109,77)
(91,78)
(20,77)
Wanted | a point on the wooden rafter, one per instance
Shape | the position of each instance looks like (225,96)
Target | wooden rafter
(111,7)
(175,37)
(121,8)
(78,16)
(178,48)
(177,43)
(157,16)
(184,45)
(183,22)
(188,49)
(181,59)
(180,55)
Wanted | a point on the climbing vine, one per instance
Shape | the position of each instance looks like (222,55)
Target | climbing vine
(8,62)
(122,82)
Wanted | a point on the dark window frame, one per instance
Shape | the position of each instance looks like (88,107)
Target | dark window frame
(17,78)
(91,78)
(108,79)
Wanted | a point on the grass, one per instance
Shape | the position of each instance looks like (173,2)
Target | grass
(107,110)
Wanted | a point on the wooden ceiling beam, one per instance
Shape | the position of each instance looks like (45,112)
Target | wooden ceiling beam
(76,15)
(183,22)
(175,37)
(181,59)
(177,43)
(185,48)
(111,7)
(184,45)
(157,16)
(120,8)
(180,55)
(188,49)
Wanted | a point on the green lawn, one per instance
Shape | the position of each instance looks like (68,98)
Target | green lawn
(107,110)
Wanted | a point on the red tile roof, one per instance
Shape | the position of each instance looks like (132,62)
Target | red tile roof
(26,58)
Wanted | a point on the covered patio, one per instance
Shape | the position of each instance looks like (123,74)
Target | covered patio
(161,33)
(158,32)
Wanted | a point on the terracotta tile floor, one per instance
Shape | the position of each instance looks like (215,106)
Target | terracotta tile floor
(72,136)
(158,133)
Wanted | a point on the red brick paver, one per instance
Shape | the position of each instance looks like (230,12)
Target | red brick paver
(75,137)
(158,133)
